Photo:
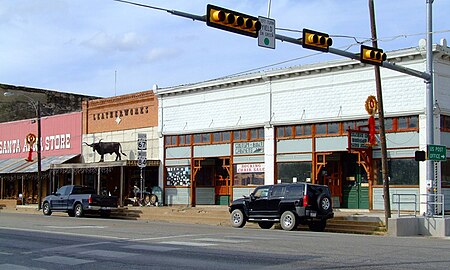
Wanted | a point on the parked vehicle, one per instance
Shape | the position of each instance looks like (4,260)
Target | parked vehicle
(78,200)
(289,204)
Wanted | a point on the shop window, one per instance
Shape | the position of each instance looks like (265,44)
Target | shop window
(248,174)
(445,174)
(284,132)
(389,124)
(302,130)
(321,129)
(257,134)
(171,140)
(178,176)
(407,123)
(184,139)
(221,137)
(294,171)
(202,138)
(401,172)
(333,128)
(240,135)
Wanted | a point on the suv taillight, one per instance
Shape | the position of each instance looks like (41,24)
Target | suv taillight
(90,199)
(305,200)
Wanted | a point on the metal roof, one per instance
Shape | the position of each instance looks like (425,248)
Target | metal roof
(20,165)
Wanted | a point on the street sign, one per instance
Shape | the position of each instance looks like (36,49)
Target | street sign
(437,152)
(266,36)
(142,141)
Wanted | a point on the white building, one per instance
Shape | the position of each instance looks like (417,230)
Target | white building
(224,137)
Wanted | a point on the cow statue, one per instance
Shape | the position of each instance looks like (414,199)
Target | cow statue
(103,148)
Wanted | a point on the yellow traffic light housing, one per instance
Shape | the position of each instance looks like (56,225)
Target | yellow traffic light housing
(372,55)
(232,21)
(316,40)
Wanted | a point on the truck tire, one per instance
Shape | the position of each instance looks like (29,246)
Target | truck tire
(78,209)
(265,224)
(288,221)
(237,218)
(46,209)
(324,204)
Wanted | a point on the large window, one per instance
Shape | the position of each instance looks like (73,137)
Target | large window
(401,172)
(178,176)
(248,174)
(445,173)
(288,172)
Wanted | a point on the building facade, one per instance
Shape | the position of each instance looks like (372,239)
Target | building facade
(224,137)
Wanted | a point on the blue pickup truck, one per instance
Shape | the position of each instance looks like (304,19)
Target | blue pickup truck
(78,200)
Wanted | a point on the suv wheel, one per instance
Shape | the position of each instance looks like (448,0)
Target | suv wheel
(237,218)
(324,203)
(288,221)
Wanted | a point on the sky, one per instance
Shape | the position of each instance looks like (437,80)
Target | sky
(106,48)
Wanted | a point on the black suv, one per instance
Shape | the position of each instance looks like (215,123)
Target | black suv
(289,204)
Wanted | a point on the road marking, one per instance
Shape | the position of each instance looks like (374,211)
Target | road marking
(67,233)
(63,260)
(7,266)
(5,253)
(108,253)
(77,227)
(168,237)
(191,244)
(222,240)
(152,248)
(74,246)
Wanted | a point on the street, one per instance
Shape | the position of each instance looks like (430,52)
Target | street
(61,242)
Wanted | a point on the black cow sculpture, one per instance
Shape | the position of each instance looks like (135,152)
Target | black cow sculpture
(103,148)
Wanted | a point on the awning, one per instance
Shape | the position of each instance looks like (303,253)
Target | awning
(20,165)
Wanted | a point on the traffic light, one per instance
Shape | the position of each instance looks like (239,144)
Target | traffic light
(233,21)
(372,55)
(316,40)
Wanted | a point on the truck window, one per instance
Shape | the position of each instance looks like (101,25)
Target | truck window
(295,191)
(63,190)
(261,192)
(278,191)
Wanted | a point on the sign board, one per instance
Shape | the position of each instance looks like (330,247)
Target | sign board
(250,168)
(358,139)
(142,141)
(266,36)
(437,152)
(249,148)
(142,147)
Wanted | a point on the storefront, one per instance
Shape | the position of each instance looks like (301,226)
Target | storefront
(60,143)
(300,117)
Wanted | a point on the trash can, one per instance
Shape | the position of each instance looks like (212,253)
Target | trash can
(159,193)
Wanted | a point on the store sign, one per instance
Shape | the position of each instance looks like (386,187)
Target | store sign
(358,139)
(250,168)
(249,148)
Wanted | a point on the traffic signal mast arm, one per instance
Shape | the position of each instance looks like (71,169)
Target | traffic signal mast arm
(299,41)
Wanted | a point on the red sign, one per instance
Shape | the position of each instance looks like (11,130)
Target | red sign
(61,135)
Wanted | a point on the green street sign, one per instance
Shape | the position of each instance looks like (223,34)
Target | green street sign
(437,152)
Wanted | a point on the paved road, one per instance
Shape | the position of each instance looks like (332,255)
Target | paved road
(57,242)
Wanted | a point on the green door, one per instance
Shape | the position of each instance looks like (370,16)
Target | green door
(356,193)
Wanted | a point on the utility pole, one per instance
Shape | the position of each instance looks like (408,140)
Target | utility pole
(384,167)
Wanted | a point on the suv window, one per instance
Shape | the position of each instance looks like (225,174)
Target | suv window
(278,191)
(261,192)
(295,191)
(63,190)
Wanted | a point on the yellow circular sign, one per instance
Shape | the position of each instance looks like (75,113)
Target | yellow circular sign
(371,105)
(31,139)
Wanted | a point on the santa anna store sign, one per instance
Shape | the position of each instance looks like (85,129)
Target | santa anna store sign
(49,143)
(61,135)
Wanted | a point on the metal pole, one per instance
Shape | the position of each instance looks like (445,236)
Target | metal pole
(430,183)
(39,155)
(384,167)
